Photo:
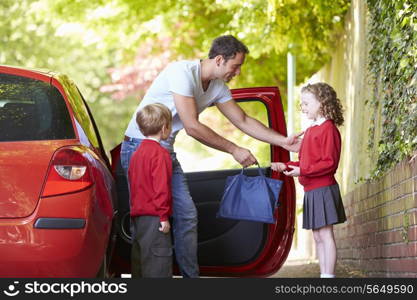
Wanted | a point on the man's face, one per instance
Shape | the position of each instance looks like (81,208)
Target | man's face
(231,68)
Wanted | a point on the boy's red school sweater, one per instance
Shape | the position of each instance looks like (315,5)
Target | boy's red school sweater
(150,175)
(319,156)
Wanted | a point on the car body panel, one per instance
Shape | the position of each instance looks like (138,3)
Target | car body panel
(24,166)
(278,238)
(40,252)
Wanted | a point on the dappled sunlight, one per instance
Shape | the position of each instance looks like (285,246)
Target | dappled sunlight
(107,11)
(89,37)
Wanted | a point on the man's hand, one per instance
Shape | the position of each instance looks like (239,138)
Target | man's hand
(278,166)
(165,227)
(293,142)
(294,138)
(243,156)
(294,172)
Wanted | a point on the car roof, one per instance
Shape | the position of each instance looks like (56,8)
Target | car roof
(28,71)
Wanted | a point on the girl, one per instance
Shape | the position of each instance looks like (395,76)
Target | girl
(318,160)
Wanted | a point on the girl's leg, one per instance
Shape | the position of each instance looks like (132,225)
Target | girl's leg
(329,246)
(319,249)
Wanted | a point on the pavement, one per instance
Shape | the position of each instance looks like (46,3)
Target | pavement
(311,269)
(304,269)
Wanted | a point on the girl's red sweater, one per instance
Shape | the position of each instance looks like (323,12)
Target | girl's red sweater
(319,156)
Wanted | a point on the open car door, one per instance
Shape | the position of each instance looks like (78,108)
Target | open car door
(228,247)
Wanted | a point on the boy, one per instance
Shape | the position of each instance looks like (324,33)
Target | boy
(150,174)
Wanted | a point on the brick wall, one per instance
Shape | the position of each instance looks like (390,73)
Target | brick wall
(380,235)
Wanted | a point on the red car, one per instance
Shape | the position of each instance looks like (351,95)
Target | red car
(57,202)
(227,247)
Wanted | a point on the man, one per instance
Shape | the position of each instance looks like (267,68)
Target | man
(187,88)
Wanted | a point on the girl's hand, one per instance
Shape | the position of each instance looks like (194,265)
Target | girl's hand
(165,227)
(278,166)
(294,172)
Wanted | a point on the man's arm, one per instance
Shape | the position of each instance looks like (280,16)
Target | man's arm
(253,127)
(187,111)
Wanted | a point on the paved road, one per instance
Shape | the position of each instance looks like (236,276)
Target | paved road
(303,269)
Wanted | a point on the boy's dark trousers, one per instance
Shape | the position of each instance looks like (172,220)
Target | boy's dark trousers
(152,246)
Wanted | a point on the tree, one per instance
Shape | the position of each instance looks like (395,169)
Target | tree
(269,28)
(35,37)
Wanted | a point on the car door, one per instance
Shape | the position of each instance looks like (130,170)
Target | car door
(228,247)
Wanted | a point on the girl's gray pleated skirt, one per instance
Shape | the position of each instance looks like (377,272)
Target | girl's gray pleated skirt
(323,206)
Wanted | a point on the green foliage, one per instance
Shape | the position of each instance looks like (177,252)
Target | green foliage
(33,36)
(85,38)
(269,28)
(393,68)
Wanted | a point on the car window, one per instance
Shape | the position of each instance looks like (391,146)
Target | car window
(102,152)
(195,156)
(85,125)
(32,110)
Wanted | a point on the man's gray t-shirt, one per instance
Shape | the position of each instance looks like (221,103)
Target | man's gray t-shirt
(183,78)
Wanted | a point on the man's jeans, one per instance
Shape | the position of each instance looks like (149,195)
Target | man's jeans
(184,212)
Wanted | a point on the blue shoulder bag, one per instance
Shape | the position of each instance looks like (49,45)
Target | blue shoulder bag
(251,198)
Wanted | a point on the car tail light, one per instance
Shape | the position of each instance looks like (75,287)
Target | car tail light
(69,172)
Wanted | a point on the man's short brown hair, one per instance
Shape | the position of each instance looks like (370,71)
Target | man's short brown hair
(227,46)
(153,117)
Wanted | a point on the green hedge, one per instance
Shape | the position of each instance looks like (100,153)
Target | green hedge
(393,68)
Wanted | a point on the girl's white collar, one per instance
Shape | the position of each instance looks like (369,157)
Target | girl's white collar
(319,121)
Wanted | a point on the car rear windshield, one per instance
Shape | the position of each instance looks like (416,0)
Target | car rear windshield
(32,110)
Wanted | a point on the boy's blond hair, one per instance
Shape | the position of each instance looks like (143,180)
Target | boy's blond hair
(153,117)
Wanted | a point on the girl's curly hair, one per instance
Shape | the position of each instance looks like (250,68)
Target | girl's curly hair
(330,106)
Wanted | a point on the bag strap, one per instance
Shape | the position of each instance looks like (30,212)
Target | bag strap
(259,170)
